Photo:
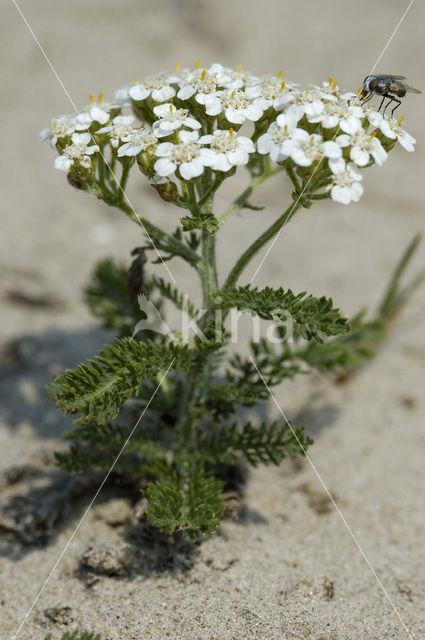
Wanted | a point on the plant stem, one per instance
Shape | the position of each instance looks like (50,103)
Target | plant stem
(160,236)
(259,243)
(240,200)
(196,382)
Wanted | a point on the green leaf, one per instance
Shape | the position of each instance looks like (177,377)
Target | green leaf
(206,221)
(171,293)
(267,443)
(312,316)
(220,398)
(186,499)
(97,390)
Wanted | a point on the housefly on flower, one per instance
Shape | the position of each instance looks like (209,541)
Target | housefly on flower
(387,86)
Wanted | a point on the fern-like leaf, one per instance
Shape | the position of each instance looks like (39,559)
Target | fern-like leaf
(171,293)
(267,443)
(97,390)
(312,316)
(185,499)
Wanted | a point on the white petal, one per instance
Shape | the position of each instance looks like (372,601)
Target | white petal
(386,130)
(336,165)
(138,92)
(82,120)
(332,149)
(341,194)
(164,149)
(188,136)
(207,156)
(129,149)
(379,154)
(207,139)
(254,112)
(375,118)
(163,110)
(90,150)
(45,134)
(234,116)
(222,163)
(186,92)
(99,115)
(343,140)
(192,169)
(356,191)
(359,156)
(299,157)
(165,93)
(192,123)
(164,167)
(246,144)
(63,163)
(354,171)
(81,138)
(407,141)
(328,121)
(295,111)
(238,157)
(350,125)
(264,143)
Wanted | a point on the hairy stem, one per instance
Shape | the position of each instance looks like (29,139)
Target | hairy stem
(259,243)
(241,200)
(160,236)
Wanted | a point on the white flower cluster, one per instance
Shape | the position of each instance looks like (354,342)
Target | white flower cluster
(189,120)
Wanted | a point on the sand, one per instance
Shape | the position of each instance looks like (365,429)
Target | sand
(289,567)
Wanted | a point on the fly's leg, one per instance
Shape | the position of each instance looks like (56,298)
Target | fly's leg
(382,102)
(397,105)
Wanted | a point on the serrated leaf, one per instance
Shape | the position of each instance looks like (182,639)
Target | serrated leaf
(312,316)
(267,443)
(185,499)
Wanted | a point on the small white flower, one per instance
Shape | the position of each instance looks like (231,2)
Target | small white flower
(94,112)
(271,90)
(274,141)
(339,114)
(199,82)
(303,102)
(77,152)
(118,129)
(345,186)
(229,149)
(172,119)
(61,127)
(363,145)
(331,88)
(157,86)
(237,106)
(135,141)
(391,128)
(304,150)
(232,78)
(189,157)
(122,97)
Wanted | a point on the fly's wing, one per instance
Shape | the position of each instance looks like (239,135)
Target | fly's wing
(393,77)
(405,86)
(411,89)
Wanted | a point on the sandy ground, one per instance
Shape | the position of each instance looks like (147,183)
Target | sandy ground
(289,567)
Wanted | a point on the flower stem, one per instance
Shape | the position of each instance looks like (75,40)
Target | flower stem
(259,243)
(160,236)
(241,200)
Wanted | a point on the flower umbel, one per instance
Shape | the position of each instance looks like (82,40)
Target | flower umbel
(188,123)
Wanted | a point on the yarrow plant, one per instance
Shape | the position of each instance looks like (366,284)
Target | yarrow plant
(187,132)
